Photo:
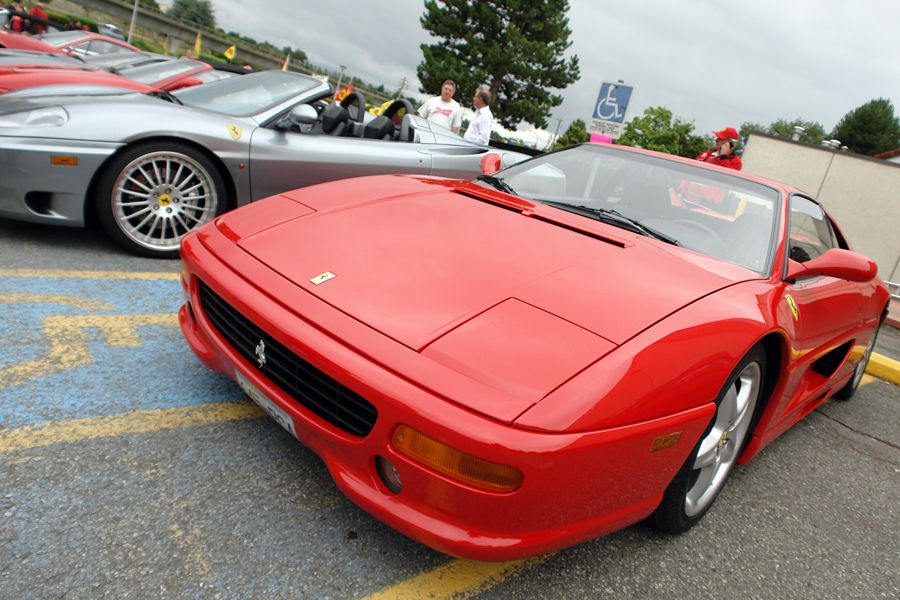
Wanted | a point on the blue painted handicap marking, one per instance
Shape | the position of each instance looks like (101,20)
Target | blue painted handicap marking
(84,348)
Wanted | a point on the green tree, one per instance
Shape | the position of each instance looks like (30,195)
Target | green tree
(151,4)
(869,129)
(298,57)
(513,48)
(575,134)
(813,132)
(750,126)
(196,11)
(658,130)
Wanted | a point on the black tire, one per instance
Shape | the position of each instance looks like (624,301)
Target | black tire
(846,392)
(153,194)
(703,475)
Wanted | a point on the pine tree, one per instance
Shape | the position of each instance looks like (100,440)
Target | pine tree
(512,48)
(869,129)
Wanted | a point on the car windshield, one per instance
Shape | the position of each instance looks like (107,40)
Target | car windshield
(247,95)
(711,212)
(116,59)
(156,72)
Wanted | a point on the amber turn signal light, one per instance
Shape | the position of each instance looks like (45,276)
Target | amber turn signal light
(457,465)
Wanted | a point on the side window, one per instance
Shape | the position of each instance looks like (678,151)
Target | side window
(101,47)
(207,76)
(81,48)
(811,234)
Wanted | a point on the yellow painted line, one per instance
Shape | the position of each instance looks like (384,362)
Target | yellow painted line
(69,348)
(884,368)
(76,301)
(62,274)
(457,580)
(141,421)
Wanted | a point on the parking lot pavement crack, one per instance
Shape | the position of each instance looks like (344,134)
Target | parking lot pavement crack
(868,436)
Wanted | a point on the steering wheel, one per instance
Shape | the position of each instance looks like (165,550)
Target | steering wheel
(395,107)
(699,227)
(360,101)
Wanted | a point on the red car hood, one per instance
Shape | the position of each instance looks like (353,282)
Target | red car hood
(505,296)
(20,77)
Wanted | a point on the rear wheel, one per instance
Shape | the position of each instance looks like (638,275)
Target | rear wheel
(846,392)
(154,194)
(705,471)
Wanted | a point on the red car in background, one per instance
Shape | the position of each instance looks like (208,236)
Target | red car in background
(85,42)
(21,41)
(168,76)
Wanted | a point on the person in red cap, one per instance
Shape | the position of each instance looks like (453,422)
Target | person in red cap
(723,154)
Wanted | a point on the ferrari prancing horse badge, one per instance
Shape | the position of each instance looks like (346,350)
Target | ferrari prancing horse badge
(235,131)
(793,306)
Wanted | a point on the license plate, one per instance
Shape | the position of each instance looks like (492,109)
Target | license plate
(281,417)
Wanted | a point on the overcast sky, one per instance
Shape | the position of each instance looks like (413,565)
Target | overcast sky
(716,63)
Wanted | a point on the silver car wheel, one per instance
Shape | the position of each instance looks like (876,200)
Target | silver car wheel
(863,363)
(160,197)
(849,390)
(720,448)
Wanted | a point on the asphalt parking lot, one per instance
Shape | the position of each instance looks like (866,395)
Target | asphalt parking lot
(129,470)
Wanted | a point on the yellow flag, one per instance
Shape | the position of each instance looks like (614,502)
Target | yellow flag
(197,45)
(229,54)
(285,62)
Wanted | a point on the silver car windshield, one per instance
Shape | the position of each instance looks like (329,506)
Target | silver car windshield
(705,210)
(247,95)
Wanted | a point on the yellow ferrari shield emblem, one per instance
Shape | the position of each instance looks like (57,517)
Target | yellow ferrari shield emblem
(793,306)
(235,131)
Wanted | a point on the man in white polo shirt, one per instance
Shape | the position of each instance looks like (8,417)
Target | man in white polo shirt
(479,130)
(443,109)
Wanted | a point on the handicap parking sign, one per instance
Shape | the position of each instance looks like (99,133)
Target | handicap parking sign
(610,109)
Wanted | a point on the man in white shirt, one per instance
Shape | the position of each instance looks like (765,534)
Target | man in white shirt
(479,130)
(443,109)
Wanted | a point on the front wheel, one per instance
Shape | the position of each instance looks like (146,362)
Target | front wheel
(705,471)
(154,194)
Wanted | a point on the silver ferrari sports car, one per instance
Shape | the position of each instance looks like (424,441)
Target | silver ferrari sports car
(153,167)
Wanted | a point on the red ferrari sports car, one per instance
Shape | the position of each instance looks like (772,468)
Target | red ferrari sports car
(166,75)
(25,76)
(86,42)
(506,367)
(20,41)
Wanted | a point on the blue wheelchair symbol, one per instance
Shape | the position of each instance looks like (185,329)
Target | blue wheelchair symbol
(612,103)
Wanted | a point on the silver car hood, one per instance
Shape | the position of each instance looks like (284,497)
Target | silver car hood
(57,94)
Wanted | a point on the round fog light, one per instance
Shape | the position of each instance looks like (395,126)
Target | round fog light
(388,474)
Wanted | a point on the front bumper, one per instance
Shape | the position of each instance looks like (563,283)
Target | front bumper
(576,486)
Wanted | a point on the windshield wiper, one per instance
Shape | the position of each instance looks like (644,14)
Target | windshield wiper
(497,183)
(165,96)
(617,219)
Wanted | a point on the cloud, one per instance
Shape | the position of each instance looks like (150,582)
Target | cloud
(711,62)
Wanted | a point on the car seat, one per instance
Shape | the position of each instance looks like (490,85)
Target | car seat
(380,128)
(333,120)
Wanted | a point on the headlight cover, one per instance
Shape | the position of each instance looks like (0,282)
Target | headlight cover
(50,116)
